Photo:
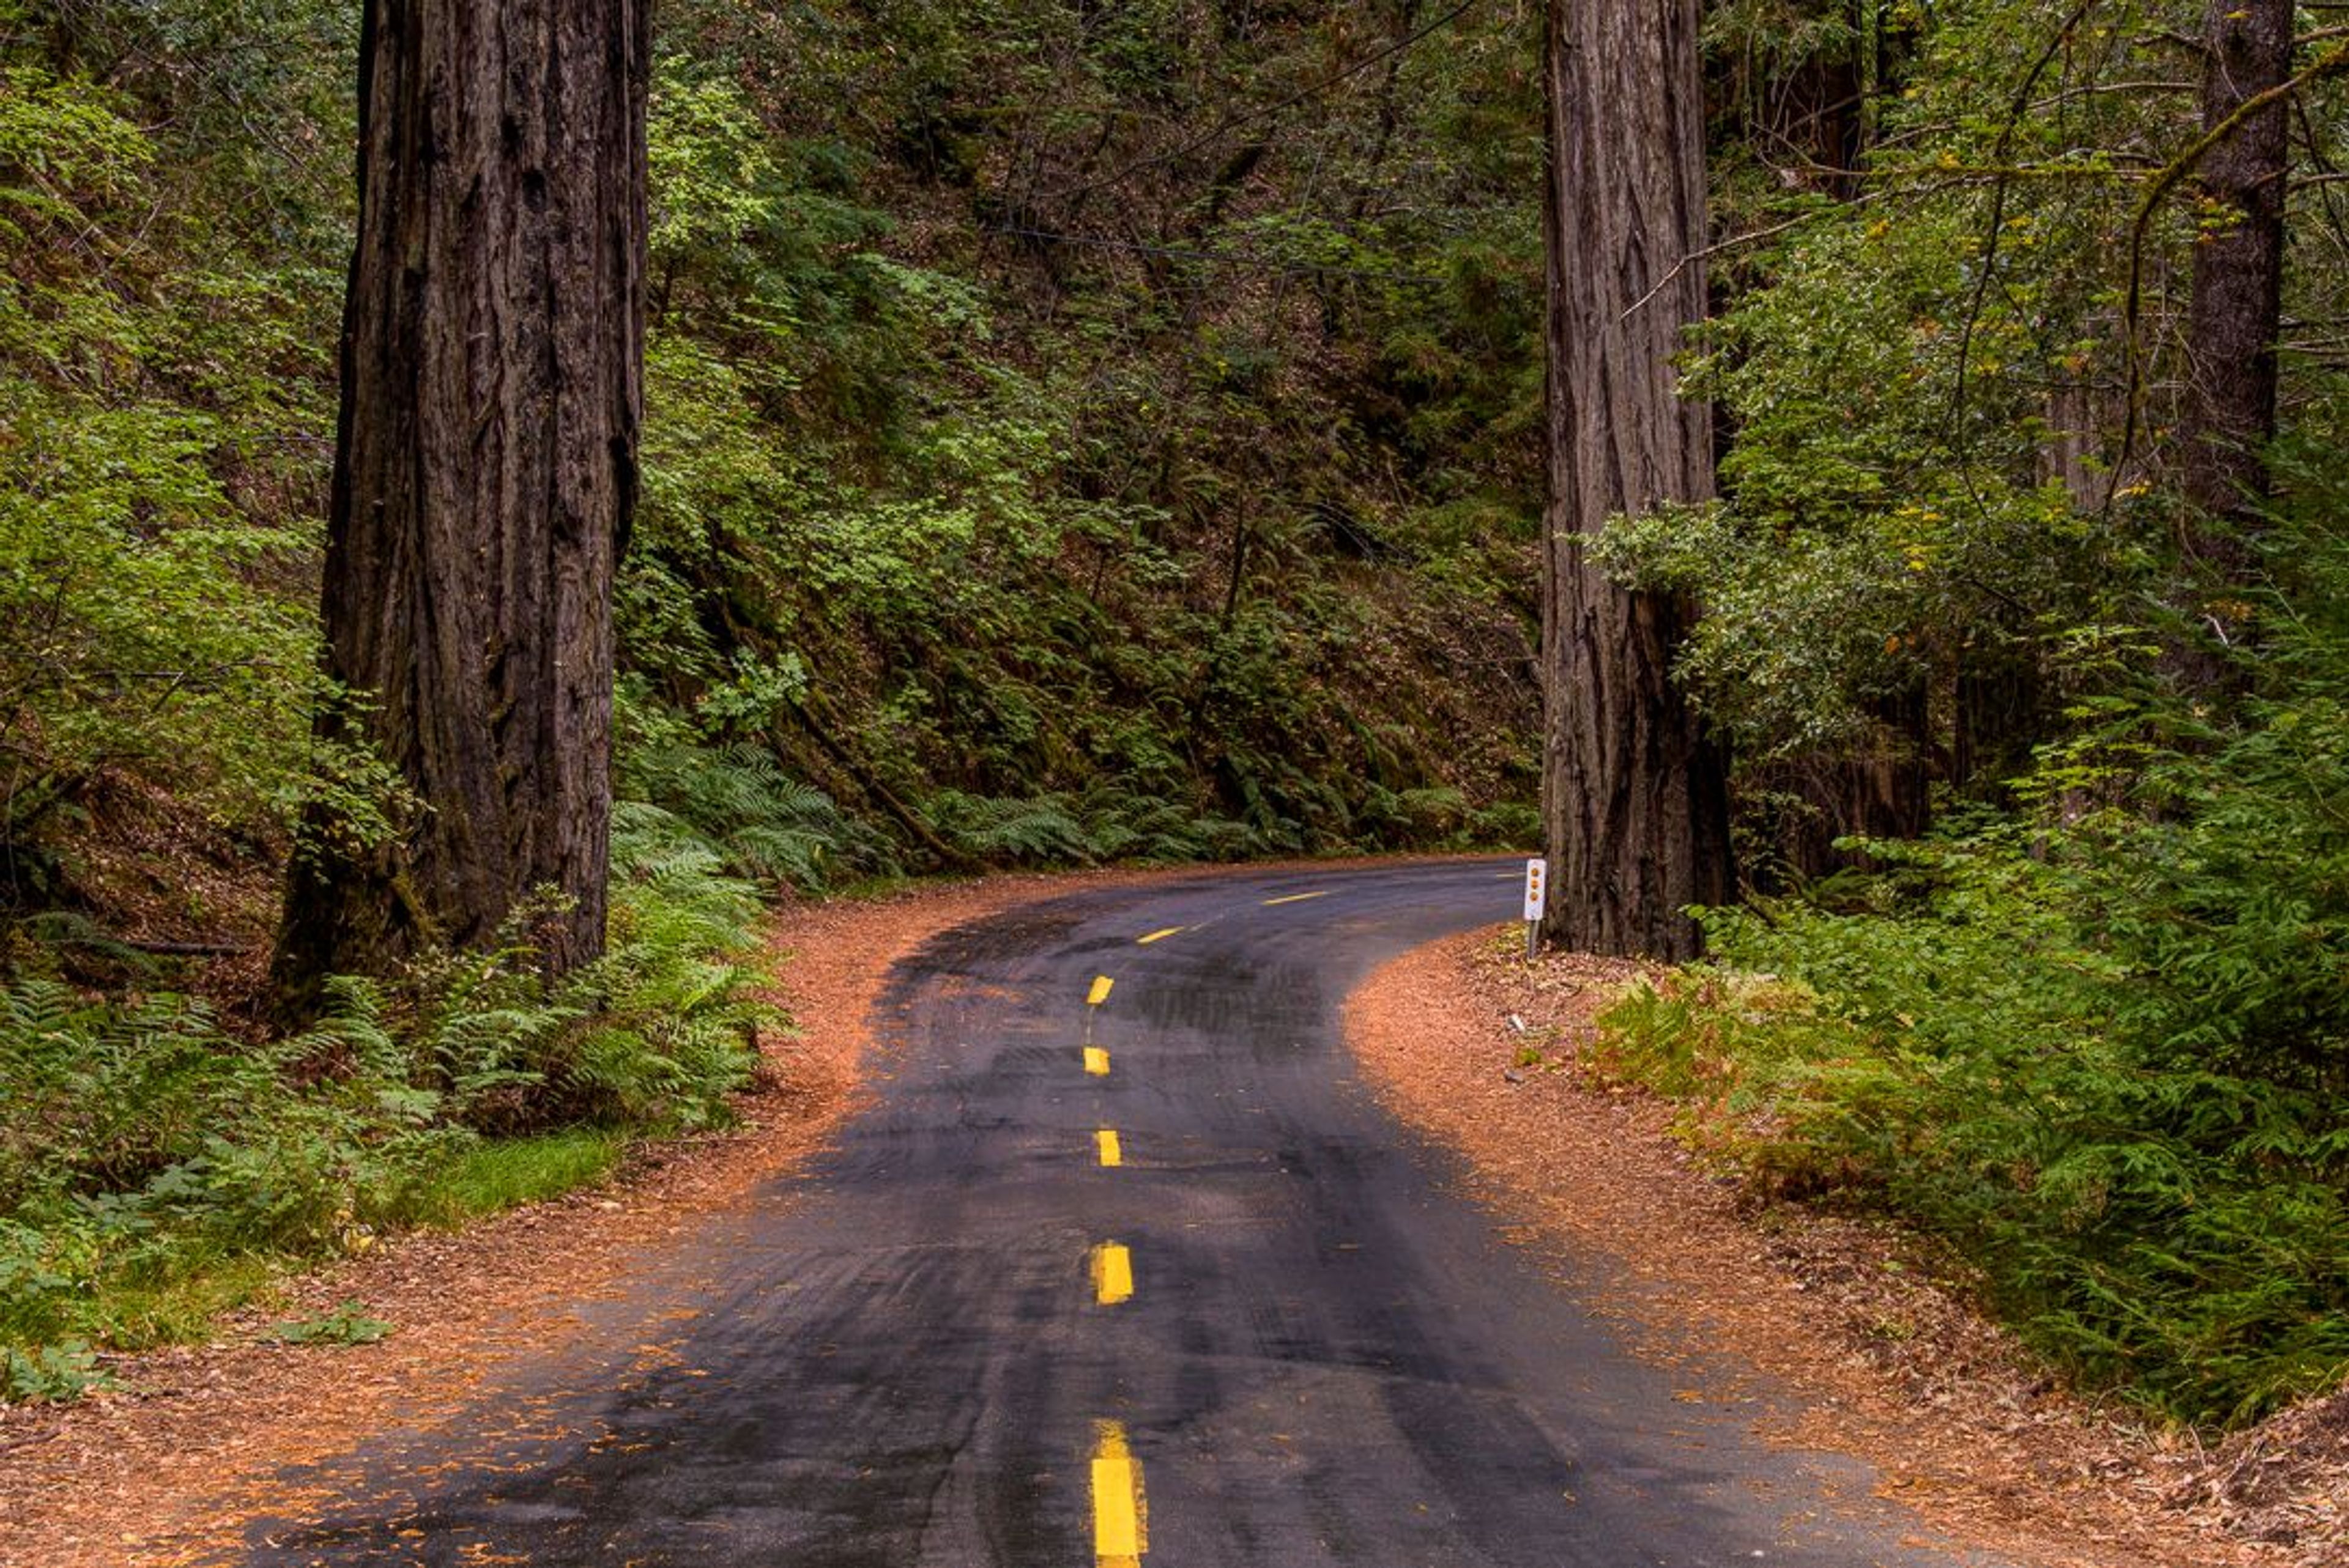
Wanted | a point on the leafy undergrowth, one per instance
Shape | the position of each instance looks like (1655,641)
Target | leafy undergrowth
(1879,1325)
(156,1170)
(2155,1216)
(2101,1046)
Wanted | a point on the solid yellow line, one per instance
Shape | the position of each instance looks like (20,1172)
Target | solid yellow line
(1121,1513)
(1112,1274)
(1295,898)
(1100,992)
(1158,936)
(1096,1061)
(1105,1140)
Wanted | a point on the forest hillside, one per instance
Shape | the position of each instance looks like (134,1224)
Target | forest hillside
(1079,432)
(1067,439)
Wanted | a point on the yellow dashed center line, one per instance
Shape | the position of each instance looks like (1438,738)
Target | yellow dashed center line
(1096,1061)
(1295,898)
(1158,936)
(1121,1513)
(1105,1141)
(1100,992)
(1112,1274)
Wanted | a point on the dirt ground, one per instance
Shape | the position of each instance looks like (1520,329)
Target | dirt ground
(1868,1331)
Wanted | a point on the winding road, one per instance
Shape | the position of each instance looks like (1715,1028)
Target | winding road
(1122,1268)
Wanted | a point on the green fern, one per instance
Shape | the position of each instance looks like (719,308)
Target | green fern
(737,801)
(1040,829)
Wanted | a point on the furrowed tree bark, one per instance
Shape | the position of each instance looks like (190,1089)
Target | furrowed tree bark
(2237,299)
(485,475)
(1635,796)
(2232,323)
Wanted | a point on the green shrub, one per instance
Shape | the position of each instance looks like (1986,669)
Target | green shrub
(154,1166)
(1988,1059)
(2103,1048)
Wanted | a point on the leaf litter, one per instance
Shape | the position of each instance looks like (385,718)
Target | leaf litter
(1869,1328)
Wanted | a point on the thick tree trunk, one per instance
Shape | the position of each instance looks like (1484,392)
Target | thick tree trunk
(485,473)
(2238,303)
(1635,797)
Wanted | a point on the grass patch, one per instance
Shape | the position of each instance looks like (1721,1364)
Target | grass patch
(177,1296)
(172,1288)
(489,1178)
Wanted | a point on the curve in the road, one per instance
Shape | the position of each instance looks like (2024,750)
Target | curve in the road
(1121,1268)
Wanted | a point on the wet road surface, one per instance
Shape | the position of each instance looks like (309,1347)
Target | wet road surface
(1123,1269)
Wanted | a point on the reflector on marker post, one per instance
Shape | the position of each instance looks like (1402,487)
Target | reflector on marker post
(1536,899)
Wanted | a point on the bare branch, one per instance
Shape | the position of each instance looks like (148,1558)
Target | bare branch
(1737,243)
(2111,90)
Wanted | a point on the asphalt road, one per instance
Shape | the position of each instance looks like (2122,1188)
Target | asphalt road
(1123,1269)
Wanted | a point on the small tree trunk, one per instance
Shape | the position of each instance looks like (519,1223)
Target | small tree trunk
(2232,323)
(2238,303)
(1998,712)
(1877,787)
(485,474)
(1635,797)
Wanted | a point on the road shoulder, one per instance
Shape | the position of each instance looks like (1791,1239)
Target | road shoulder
(1876,1358)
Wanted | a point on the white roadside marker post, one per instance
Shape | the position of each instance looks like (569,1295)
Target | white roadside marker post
(1536,896)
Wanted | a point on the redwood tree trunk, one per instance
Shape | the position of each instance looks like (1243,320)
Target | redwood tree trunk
(485,474)
(1635,797)
(2238,303)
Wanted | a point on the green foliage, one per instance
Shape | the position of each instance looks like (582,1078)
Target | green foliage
(150,1157)
(2221,877)
(144,629)
(764,825)
(2105,1051)
(1928,364)
(1870,543)
(1038,830)
(49,1375)
(939,552)
(2099,1043)
(2177,1233)
(349,1323)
